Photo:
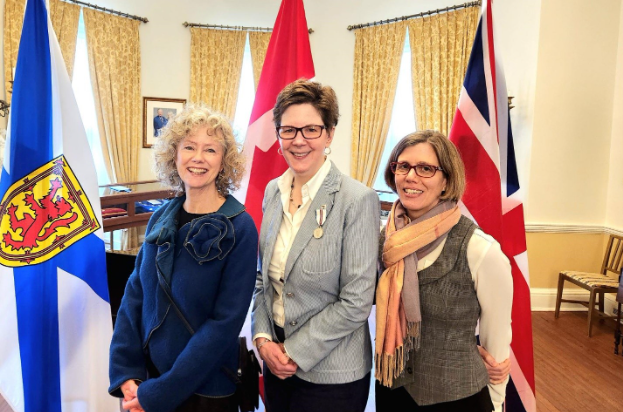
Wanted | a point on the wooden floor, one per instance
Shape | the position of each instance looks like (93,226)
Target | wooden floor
(575,372)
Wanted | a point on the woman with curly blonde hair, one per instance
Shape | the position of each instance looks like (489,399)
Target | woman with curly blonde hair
(175,346)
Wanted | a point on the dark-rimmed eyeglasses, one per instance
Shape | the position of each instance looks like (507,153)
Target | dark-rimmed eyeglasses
(421,169)
(309,132)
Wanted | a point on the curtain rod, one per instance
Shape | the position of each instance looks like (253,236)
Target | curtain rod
(414,16)
(224,27)
(118,13)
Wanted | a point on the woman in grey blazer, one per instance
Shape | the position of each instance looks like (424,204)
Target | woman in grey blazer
(317,266)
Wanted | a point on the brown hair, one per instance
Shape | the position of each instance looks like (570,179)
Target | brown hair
(449,160)
(185,123)
(303,91)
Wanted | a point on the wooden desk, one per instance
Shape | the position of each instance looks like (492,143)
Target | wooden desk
(126,200)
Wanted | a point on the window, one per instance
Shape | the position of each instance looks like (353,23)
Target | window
(402,121)
(83,91)
(246,96)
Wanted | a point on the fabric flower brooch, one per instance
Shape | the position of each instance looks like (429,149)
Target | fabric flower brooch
(210,237)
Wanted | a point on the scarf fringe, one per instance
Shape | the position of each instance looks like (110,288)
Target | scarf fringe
(390,366)
(412,341)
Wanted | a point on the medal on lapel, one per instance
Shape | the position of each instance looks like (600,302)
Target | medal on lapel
(321,216)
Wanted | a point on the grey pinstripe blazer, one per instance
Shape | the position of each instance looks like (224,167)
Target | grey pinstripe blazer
(329,282)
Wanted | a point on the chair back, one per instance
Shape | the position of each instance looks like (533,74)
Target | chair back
(613,260)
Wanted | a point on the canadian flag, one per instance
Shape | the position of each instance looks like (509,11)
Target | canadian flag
(288,58)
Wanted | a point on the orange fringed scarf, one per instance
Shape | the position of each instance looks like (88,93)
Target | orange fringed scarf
(398,322)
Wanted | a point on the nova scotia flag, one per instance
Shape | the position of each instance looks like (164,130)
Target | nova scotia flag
(55,323)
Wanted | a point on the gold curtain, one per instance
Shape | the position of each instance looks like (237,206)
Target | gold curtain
(378,51)
(258,42)
(440,49)
(115,68)
(65,18)
(13,20)
(215,66)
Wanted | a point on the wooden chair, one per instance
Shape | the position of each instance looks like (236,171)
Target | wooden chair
(596,283)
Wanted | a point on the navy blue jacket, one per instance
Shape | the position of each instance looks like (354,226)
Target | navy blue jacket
(159,123)
(210,267)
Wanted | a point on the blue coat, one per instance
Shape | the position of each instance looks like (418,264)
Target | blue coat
(210,266)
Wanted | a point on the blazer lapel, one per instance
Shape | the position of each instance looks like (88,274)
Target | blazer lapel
(325,196)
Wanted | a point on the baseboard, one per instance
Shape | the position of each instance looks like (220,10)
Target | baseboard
(585,229)
(544,300)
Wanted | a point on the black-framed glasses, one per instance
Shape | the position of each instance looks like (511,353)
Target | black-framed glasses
(421,169)
(309,132)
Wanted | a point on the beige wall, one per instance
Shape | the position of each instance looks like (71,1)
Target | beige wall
(573,112)
(576,153)
(549,253)
(614,207)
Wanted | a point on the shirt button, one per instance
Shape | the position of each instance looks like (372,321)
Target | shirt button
(410,370)
(289,294)
(293,323)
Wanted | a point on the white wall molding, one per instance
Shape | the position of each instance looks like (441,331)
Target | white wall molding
(544,300)
(555,228)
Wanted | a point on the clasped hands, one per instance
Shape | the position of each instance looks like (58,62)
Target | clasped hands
(130,397)
(277,360)
(498,371)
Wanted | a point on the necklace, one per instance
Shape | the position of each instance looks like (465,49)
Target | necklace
(291,197)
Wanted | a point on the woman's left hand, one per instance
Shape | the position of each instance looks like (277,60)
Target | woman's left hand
(132,405)
(498,372)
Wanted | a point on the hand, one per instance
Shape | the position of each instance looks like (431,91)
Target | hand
(129,388)
(277,361)
(132,406)
(283,349)
(130,399)
(498,372)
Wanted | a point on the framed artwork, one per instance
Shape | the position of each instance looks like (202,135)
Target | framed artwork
(157,111)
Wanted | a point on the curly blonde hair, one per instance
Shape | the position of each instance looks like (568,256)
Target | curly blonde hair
(185,123)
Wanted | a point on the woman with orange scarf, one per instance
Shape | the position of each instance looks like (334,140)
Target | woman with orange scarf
(442,275)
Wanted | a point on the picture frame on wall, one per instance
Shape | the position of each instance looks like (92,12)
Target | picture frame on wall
(157,111)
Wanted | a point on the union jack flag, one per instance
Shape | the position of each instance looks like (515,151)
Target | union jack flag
(482,132)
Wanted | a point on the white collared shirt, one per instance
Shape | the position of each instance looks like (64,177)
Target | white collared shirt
(290,225)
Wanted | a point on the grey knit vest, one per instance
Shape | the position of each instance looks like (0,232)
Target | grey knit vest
(447,366)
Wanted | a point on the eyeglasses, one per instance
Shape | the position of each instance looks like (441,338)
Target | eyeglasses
(309,132)
(421,169)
